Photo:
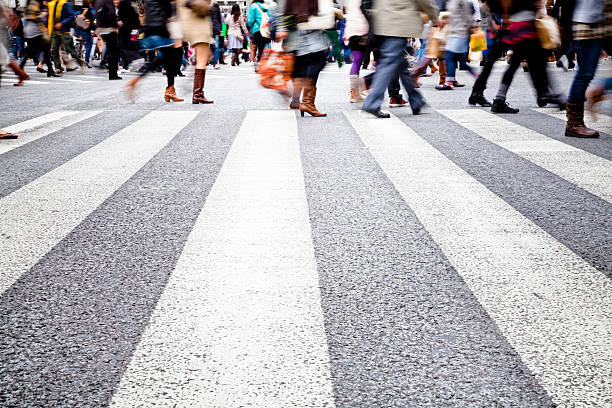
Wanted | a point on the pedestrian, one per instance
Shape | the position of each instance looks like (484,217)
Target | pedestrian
(523,40)
(461,23)
(356,35)
(36,38)
(107,28)
(60,22)
(310,45)
(7,14)
(257,22)
(235,33)
(159,15)
(197,30)
(592,25)
(85,25)
(127,21)
(17,37)
(394,22)
(215,17)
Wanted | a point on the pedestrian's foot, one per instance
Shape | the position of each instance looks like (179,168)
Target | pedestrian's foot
(59,73)
(378,113)
(479,99)
(7,135)
(501,106)
(42,71)
(397,103)
(417,111)
(447,86)
(115,78)
(68,69)
(456,84)
(87,64)
(51,74)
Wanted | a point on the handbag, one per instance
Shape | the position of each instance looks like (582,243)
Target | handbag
(81,21)
(276,70)
(478,41)
(548,32)
(200,7)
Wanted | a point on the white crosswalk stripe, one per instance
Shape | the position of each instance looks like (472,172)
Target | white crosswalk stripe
(43,126)
(240,321)
(602,124)
(542,296)
(61,199)
(241,316)
(586,170)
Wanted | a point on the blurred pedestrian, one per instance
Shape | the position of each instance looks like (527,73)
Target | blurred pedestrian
(257,22)
(107,28)
(7,15)
(235,33)
(61,21)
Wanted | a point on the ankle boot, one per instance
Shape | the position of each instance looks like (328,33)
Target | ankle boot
(298,85)
(308,102)
(198,87)
(21,75)
(355,95)
(575,126)
(170,95)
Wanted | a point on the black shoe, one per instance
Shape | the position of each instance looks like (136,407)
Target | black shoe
(181,74)
(42,71)
(51,74)
(501,106)
(115,78)
(378,113)
(479,99)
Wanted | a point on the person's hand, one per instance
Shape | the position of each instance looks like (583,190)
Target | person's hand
(58,26)
(120,23)
(441,23)
(281,35)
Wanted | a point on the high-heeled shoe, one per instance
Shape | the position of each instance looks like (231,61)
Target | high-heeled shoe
(170,95)
(308,102)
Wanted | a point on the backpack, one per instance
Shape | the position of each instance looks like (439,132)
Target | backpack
(264,26)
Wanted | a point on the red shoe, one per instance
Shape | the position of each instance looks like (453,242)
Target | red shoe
(397,103)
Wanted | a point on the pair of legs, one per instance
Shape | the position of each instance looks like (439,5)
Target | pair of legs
(35,46)
(306,74)
(260,42)
(215,51)
(236,56)
(454,59)
(203,54)
(414,96)
(65,41)
(112,54)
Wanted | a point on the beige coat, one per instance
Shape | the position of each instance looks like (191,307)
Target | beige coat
(402,18)
(196,29)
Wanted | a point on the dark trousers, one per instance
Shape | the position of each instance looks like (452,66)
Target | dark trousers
(124,49)
(112,53)
(588,56)
(63,40)
(171,59)
(34,47)
(414,96)
(495,52)
(260,42)
(309,66)
(536,60)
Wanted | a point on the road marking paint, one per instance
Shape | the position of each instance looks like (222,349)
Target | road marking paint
(34,129)
(586,170)
(602,124)
(240,319)
(39,215)
(552,306)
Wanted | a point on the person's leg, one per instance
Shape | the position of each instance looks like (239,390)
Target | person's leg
(88,45)
(357,60)
(588,52)
(414,96)
(55,54)
(390,50)
(499,103)
(215,50)
(68,45)
(112,54)
(203,52)
(451,66)
(315,62)
(495,52)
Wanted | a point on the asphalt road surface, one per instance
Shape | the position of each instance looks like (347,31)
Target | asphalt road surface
(238,255)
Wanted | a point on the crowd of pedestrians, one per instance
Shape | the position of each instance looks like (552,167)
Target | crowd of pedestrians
(398,41)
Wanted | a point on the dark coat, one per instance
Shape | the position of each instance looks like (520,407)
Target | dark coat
(302,9)
(129,16)
(215,16)
(106,15)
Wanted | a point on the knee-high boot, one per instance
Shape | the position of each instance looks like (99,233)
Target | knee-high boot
(198,87)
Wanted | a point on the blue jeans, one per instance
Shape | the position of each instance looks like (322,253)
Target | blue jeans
(86,36)
(588,56)
(391,56)
(414,96)
(215,50)
(17,47)
(451,59)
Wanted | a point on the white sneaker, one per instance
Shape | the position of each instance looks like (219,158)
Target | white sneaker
(123,71)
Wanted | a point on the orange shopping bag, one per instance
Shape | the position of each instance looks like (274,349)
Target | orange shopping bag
(276,70)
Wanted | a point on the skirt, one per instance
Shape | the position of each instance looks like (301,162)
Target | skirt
(233,42)
(154,42)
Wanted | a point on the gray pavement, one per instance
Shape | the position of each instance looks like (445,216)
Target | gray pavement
(408,311)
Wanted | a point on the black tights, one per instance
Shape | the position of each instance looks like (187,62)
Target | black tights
(171,59)
(536,60)
(34,47)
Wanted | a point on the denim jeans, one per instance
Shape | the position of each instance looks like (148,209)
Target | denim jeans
(17,47)
(215,50)
(451,59)
(588,56)
(86,36)
(64,40)
(414,96)
(391,56)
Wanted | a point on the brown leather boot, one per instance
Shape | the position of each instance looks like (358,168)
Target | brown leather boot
(308,101)
(21,75)
(170,95)
(575,126)
(198,87)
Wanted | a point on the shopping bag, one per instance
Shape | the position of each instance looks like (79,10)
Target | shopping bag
(478,41)
(548,32)
(276,70)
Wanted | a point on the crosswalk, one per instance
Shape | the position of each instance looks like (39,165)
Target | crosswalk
(247,316)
